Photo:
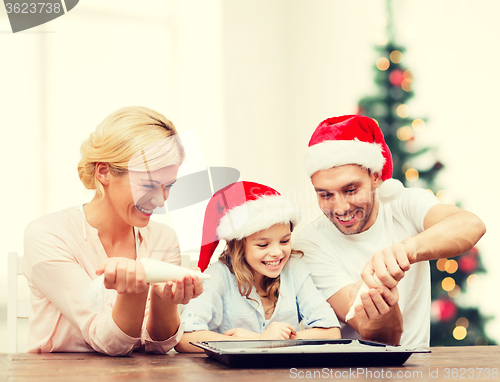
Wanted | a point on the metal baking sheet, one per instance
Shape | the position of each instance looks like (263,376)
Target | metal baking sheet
(303,353)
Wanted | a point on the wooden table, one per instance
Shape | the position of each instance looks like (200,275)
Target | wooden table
(445,363)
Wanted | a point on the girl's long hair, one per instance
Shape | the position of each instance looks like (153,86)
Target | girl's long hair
(233,257)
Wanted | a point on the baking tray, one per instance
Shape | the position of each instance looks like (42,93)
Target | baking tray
(303,353)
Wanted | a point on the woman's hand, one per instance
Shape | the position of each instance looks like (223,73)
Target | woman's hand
(242,333)
(124,275)
(180,291)
(278,331)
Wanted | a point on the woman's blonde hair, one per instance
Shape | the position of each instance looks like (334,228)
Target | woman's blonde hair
(121,135)
(233,257)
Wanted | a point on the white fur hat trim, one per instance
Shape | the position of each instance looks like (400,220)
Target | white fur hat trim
(328,154)
(257,215)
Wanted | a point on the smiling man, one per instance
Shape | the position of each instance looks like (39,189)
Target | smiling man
(372,225)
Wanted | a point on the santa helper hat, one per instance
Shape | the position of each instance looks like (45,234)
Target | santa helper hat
(240,210)
(353,139)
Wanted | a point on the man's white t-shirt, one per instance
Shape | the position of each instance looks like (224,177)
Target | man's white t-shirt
(336,260)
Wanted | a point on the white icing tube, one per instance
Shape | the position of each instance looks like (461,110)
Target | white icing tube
(160,272)
(357,301)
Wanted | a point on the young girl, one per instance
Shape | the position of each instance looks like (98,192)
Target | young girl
(131,160)
(258,290)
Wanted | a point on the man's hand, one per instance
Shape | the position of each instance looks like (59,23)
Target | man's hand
(389,265)
(379,318)
(376,302)
(387,327)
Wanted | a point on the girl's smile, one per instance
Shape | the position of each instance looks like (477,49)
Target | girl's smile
(273,265)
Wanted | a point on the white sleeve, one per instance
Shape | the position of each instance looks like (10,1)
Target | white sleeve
(414,203)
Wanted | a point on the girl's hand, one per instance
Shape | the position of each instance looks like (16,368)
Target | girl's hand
(124,275)
(242,333)
(278,331)
(180,291)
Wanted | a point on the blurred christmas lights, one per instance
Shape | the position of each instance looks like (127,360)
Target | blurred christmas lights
(440,264)
(396,56)
(448,284)
(405,133)
(406,86)
(472,280)
(451,266)
(459,333)
(403,111)
(455,292)
(418,124)
(383,63)
(462,321)
(443,309)
(411,175)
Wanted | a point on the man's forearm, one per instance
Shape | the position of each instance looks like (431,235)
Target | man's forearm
(449,237)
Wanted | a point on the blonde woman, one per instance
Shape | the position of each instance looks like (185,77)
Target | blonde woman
(259,288)
(131,161)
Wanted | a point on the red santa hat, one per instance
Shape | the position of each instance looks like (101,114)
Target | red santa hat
(352,139)
(240,210)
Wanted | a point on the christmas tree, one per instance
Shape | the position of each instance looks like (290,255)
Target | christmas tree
(452,324)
